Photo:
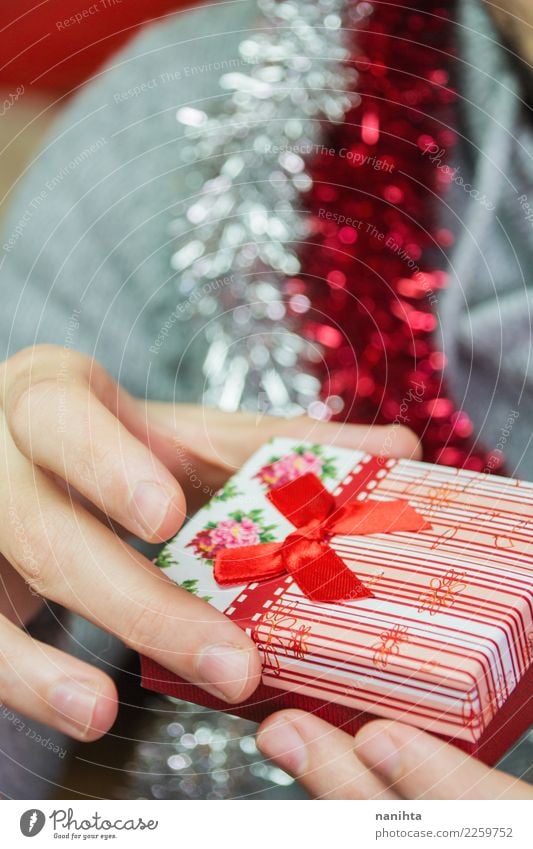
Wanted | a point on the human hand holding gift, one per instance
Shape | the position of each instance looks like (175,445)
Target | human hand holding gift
(83,466)
(385,760)
(441,637)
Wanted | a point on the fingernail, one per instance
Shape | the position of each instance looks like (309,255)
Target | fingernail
(149,506)
(226,669)
(379,753)
(282,743)
(75,705)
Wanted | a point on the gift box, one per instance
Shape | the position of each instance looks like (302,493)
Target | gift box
(373,587)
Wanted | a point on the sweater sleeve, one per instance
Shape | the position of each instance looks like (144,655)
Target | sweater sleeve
(85,264)
(85,251)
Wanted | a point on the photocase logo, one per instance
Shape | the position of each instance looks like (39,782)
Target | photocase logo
(32,822)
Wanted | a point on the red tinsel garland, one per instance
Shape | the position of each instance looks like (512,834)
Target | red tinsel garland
(374,266)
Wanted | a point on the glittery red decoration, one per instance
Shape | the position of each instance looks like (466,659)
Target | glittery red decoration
(374,267)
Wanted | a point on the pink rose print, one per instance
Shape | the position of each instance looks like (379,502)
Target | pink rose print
(240,529)
(232,534)
(301,461)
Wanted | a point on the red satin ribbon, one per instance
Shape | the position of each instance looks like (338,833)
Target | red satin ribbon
(305,554)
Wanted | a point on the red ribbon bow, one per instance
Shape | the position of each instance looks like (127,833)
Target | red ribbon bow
(305,554)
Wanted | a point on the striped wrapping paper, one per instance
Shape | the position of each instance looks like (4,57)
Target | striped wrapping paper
(446,641)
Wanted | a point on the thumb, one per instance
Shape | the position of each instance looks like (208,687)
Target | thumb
(417,765)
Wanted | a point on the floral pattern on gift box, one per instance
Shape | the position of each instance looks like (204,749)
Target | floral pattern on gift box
(238,530)
(442,592)
(192,586)
(301,461)
(530,646)
(228,491)
(389,645)
(472,717)
(500,692)
(164,559)
(282,637)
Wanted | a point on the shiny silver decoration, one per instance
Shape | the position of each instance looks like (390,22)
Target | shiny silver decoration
(236,244)
(187,752)
(237,241)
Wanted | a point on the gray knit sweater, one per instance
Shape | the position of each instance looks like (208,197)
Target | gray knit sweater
(86,252)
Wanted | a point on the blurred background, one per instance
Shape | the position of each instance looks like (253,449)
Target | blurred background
(45,58)
(44,62)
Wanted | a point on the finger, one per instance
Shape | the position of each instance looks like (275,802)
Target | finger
(381,440)
(320,756)
(417,765)
(98,456)
(67,556)
(49,686)
(226,440)
(65,419)
(16,602)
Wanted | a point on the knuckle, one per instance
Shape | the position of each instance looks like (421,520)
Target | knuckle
(40,544)
(28,403)
(144,624)
(102,383)
(18,371)
(105,456)
(27,359)
(9,660)
(98,467)
(41,363)
(27,550)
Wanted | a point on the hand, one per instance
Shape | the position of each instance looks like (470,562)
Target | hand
(386,760)
(70,466)
(202,447)
(81,458)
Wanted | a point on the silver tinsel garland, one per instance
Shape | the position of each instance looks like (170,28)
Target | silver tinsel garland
(236,245)
(237,240)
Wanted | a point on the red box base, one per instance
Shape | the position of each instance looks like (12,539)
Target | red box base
(512,720)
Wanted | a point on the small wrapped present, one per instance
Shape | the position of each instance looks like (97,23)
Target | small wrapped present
(372,587)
